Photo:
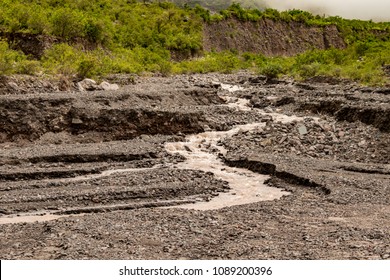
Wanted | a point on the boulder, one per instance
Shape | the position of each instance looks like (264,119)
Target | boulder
(90,85)
(108,86)
(87,85)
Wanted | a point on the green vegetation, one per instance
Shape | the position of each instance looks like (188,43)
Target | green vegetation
(361,62)
(352,30)
(105,22)
(127,36)
(16,62)
(219,5)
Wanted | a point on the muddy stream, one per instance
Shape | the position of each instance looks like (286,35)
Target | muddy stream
(202,152)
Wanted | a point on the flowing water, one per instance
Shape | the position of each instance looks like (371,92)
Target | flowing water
(202,152)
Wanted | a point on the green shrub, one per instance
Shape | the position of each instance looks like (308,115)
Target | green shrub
(203,13)
(67,23)
(138,37)
(62,59)
(9,59)
(86,68)
(94,30)
(165,68)
(309,70)
(38,23)
(28,67)
(360,62)
(271,70)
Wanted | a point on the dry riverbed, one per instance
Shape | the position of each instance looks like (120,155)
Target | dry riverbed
(197,167)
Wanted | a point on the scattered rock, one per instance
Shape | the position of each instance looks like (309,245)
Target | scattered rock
(302,130)
(4,211)
(91,85)
(87,85)
(284,100)
(13,86)
(317,140)
(108,86)
(187,149)
(358,196)
(258,80)
(76,121)
(267,142)
(305,86)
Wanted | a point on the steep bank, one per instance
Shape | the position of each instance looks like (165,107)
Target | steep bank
(269,37)
(124,115)
(265,36)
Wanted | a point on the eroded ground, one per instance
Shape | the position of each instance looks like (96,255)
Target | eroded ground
(197,167)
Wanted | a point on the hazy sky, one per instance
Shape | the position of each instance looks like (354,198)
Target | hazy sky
(361,9)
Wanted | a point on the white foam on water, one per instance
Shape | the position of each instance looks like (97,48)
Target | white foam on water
(240,104)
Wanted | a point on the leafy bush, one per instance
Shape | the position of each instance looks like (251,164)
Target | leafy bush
(9,59)
(67,23)
(271,70)
(62,59)
(28,67)
(225,62)
(38,22)
(203,13)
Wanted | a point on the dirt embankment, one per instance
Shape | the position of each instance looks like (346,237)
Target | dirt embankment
(113,117)
(269,37)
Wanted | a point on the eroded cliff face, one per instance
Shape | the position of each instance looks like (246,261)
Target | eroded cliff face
(265,36)
(269,37)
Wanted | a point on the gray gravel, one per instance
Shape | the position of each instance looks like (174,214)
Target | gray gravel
(337,170)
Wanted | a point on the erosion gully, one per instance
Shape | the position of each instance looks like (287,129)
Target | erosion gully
(203,152)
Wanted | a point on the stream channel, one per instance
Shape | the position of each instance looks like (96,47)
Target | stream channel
(202,152)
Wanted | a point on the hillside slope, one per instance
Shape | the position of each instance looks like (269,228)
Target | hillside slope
(79,39)
(268,37)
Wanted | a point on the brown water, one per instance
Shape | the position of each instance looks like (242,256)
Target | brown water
(246,186)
